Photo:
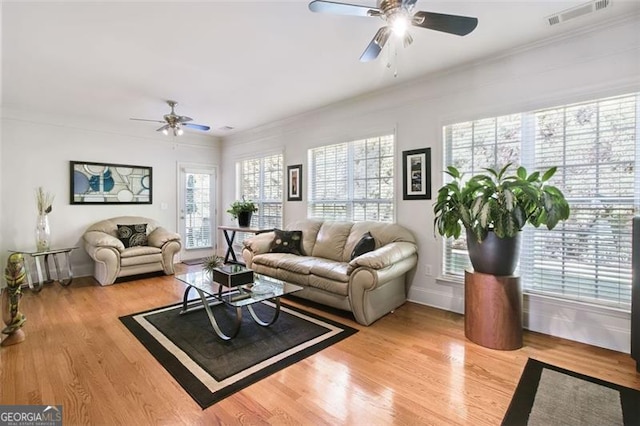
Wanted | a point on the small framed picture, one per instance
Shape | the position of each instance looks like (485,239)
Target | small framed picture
(294,183)
(416,178)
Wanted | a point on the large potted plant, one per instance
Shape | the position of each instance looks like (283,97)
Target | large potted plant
(242,210)
(493,208)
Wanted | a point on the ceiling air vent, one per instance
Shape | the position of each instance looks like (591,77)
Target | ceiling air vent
(226,128)
(581,10)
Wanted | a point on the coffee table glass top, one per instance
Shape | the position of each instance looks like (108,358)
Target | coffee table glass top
(243,295)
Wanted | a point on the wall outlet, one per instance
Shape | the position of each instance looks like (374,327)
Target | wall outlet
(428,270)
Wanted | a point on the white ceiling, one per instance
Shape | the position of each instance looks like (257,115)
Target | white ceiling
(236,63)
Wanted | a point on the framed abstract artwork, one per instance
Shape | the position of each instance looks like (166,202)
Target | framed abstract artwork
(106,183)
(416,174)
(294,183)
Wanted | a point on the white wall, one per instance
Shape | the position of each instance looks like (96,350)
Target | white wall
(586,65)
(36,151)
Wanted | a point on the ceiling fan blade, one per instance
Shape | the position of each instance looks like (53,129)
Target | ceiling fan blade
(165,127)
(375,46)
(184,119)
(409,3)
(144,119)
(452,24)
(197,126)
(342,8)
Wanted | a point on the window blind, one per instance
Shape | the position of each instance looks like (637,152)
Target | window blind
(588,257)
(261,180)
(593,144)
(353,180)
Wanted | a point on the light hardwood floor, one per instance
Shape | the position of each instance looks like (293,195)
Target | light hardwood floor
(411,367)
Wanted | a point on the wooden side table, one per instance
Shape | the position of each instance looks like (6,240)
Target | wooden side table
(37,255)
(230,235)
(493,310)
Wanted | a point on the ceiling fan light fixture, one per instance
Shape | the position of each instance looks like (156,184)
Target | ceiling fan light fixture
(180,131)
(165,132)
(399,23)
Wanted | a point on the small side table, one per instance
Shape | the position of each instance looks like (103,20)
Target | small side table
(230,237)
(37,255)
(493,310)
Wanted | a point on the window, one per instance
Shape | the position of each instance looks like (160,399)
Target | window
(261,180)
(198,196)
(593,144)
(353,180)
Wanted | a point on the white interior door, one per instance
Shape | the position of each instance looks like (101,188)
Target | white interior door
(197,210)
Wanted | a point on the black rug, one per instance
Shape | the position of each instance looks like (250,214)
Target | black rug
(211,369)
(549,395)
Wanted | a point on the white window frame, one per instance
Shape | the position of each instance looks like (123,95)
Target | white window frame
(351,200)
(527,155)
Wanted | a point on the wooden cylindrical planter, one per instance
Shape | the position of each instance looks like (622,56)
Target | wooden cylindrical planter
(493,310)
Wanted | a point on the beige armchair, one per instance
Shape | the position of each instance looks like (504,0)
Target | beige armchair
(113,260)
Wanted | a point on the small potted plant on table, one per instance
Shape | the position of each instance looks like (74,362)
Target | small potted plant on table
(242,210)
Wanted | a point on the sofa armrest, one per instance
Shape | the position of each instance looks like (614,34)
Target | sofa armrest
(160,236)
(102,239)
(384,256)
(260,243)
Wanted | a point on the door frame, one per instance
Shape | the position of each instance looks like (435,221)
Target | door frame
(181,169)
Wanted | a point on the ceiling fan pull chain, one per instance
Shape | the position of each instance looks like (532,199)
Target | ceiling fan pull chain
(395,62)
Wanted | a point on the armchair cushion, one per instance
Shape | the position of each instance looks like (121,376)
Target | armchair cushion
(133,235)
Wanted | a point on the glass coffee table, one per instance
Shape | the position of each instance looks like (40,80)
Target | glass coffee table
(213,294)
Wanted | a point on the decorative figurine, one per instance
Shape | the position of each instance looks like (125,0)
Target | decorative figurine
(15,275)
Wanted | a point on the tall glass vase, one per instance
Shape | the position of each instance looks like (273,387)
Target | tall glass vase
(43,233)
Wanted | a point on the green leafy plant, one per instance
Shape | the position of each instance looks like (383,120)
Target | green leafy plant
(498,202)
(241,206)
(212,262)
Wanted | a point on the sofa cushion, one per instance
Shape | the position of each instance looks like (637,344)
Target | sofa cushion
(331,240)
(330,269)
(328,285)
(366,244)
(133,235)
(309,228)
(297,264)
(286,242)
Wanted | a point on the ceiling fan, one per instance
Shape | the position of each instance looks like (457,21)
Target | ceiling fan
(397,15)
(174,122)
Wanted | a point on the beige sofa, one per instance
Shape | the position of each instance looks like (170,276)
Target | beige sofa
(113,260)
(370,285)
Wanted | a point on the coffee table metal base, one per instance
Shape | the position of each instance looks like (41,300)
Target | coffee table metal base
(206,305)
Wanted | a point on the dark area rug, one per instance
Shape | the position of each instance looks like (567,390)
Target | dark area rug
(549,395)
(211,369)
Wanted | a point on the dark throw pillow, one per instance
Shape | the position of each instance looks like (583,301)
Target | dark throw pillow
(366,244)
(133,235)
(287,242)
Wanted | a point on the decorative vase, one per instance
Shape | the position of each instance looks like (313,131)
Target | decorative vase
(43,233)
(244,218)
(494,255)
